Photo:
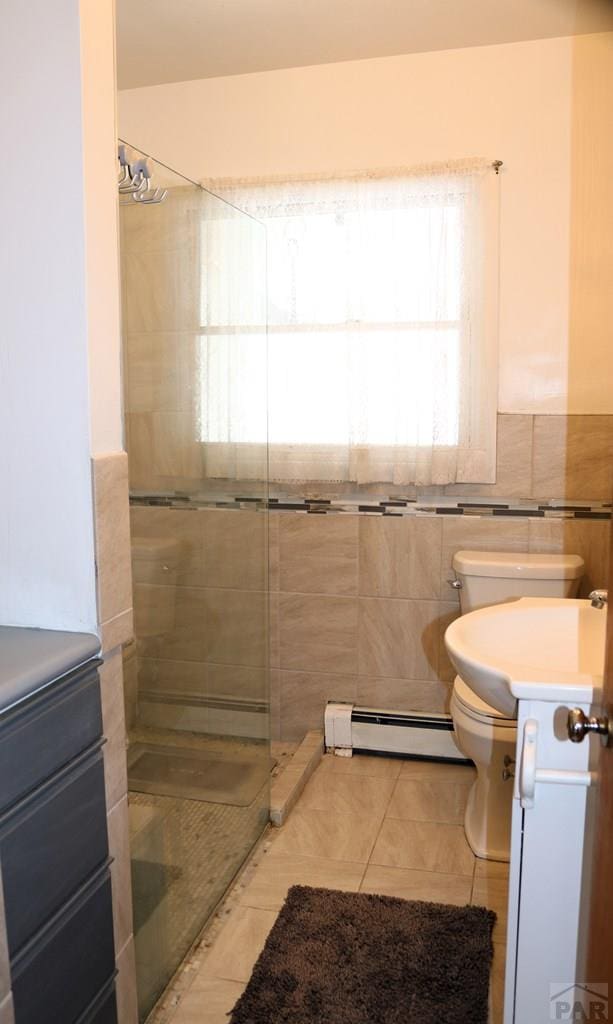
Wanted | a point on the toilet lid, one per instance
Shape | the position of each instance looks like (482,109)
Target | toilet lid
(473,703)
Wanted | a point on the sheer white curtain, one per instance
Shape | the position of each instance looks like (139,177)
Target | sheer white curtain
(382,330)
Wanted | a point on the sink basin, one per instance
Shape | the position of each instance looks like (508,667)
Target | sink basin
(533,648)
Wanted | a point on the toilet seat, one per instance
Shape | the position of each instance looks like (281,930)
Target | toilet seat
(475,707)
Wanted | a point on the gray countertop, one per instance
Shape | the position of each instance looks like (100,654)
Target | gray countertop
(32,658)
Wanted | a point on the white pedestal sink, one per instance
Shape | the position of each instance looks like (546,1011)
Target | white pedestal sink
(536,658)
(534,648)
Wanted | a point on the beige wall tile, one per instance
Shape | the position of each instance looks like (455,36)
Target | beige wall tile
(130,684)
(125,984)
(398,638)
(432,886)
(166,546)
(274,639)
(303,697)
(273,550)
(162,291)
(112,526)
(400,557)
(202,679)
(448,611)
(318,554)
(169,622)
(478,533)
(318,633)
(117,631)
(549,458)
(193,624)
(161,372)
(119,849)
(173,224)
(513,461)
(234,548)
(403,694)
(590,538)
(113,724)
(164,450)
(275,704)
(586,537)
(235,627)
(572,457)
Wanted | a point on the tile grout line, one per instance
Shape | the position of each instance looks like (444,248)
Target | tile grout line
(383,819)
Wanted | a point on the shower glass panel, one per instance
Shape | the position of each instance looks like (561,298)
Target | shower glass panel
(197,705)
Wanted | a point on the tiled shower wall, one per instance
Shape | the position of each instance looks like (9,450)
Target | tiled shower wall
(358,605)
(200,603)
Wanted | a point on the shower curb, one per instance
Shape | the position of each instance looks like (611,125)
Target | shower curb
(288,786)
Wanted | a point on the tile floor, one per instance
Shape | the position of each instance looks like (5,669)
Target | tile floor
(364,824)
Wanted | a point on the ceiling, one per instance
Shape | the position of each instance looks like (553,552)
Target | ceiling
(177,40)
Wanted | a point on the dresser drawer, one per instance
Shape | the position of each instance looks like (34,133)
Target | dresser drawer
(45,732)
(50,844)
(104,1008)
(57,975)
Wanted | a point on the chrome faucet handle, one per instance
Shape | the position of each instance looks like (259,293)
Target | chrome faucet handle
(599,598)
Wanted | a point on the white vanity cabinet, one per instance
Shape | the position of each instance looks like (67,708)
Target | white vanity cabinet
(547,877)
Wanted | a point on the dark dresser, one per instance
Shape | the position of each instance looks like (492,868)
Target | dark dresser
(56,915)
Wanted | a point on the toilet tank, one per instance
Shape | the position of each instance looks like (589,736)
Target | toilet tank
(491,577)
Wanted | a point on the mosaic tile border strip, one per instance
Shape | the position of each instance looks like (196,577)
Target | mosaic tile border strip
(385,507)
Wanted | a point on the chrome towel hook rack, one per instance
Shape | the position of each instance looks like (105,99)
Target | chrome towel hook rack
(134,180)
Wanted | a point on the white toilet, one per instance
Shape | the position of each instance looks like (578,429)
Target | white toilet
(483,734)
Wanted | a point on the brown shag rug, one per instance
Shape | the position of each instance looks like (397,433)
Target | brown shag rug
(352,958)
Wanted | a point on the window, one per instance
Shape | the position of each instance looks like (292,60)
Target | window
(381,330)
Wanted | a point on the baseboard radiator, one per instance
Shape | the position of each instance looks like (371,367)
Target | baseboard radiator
(350,729)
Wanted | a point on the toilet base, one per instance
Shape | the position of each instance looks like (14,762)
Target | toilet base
(486,846)
(488,743)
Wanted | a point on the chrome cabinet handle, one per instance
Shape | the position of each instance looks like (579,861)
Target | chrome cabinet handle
(529,773)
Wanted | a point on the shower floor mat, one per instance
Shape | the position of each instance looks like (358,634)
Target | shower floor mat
(196,775)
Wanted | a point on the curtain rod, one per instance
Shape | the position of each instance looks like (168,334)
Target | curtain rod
(226,185)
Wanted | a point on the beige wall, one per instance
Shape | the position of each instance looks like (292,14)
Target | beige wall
(516,102)
(591,237)
(101,228)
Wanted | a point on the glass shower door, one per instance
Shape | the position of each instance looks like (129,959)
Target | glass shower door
(197,706)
